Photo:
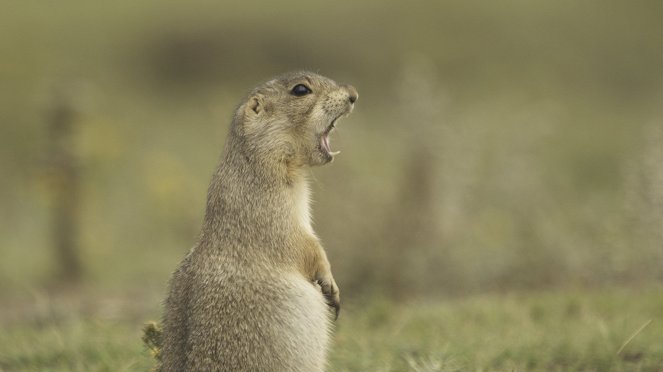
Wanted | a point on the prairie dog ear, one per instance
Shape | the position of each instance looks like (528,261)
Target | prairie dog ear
(254,106)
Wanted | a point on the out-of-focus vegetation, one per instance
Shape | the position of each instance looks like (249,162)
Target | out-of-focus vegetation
(496,146)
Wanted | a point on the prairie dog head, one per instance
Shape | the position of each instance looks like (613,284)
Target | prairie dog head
(289,119)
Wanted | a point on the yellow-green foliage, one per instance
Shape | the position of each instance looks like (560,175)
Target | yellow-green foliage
(152,338)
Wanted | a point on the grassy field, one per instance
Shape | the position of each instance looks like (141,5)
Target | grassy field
(617,330)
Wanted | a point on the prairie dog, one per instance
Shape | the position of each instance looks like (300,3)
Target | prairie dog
(255,291)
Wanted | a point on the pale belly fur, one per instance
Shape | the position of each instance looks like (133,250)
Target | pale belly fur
(279,322)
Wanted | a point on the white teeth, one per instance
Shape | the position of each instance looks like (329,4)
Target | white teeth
(325,139)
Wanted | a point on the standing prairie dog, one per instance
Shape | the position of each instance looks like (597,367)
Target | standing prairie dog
(253,293)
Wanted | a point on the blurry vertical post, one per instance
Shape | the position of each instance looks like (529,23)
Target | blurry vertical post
(64,192)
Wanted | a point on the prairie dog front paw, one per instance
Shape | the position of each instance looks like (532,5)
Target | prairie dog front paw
(330,291)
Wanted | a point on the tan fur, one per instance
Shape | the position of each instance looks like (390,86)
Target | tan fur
(253,293)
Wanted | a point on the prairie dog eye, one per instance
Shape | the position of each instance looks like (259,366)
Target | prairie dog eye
(300,90)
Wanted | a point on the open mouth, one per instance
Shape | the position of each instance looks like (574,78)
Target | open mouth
(324,138)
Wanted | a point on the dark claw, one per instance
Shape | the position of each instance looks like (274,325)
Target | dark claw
(335,305)
(330,293)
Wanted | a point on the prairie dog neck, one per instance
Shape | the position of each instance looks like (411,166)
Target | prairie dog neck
(244,198)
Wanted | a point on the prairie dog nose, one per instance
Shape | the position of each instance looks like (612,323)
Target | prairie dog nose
(352,93)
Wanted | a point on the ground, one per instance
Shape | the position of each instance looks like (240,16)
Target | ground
(597,330)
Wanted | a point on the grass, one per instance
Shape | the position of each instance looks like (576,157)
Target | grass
(617,330)
(543,331)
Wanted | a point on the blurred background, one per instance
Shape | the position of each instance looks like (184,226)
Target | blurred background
(495,147)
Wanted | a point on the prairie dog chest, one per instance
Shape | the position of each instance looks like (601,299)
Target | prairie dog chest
(302,210)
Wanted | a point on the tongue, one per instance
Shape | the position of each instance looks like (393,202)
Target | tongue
(325,142)
(326,147)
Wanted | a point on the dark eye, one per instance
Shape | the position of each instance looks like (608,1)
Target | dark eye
(301,90)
